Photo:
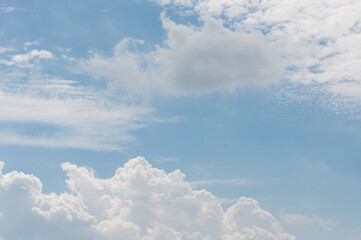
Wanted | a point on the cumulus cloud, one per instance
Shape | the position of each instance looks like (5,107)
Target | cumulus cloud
(213,58)
(24,60)
(138,202)
(317,39)
(192,60)
(123,70)
(32,43)
(42,54)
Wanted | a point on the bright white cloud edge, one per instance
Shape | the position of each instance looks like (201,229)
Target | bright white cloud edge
(138,202)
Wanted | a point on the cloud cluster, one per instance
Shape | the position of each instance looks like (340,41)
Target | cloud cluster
(24,60)
(312,44)
(318,39)
(191,60)
(138,202)
(42,54)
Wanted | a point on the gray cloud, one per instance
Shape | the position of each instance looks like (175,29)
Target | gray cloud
(318,41)
(190,61)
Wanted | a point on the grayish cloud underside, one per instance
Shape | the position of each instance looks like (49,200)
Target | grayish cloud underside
(138,202)
(192,61)
(318,40)
(312,44)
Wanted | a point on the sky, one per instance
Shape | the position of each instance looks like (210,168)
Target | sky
(180,119)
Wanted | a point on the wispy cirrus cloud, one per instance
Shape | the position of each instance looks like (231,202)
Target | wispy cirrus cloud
(38,109)
(8,9)
(202,183)
(300,221)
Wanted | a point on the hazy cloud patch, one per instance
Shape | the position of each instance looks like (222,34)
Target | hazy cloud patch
(300,221)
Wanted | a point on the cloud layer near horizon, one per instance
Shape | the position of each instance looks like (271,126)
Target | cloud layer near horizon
(138,202)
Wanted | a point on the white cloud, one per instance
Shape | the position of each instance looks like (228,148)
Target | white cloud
(213,58)
(318,40)
(24,60)
(300,221)
(6,49)
(42,54)
(191,61)
(7,9)
(32,43)
(71,120)
(65,113)
(123,70)
(138,202)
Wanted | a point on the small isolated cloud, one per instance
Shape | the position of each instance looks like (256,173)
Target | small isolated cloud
(42,54)
(192,60)
(7,9)
(139,202)
(32,43)
(300,221)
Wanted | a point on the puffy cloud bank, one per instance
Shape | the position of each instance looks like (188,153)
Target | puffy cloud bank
(138,202)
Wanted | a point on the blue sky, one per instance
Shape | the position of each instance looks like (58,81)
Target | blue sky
(247,99)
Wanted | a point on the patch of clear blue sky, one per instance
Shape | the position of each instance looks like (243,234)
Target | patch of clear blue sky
(80,25)
(297,157)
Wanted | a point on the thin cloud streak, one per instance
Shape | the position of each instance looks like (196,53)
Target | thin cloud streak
(219,182)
